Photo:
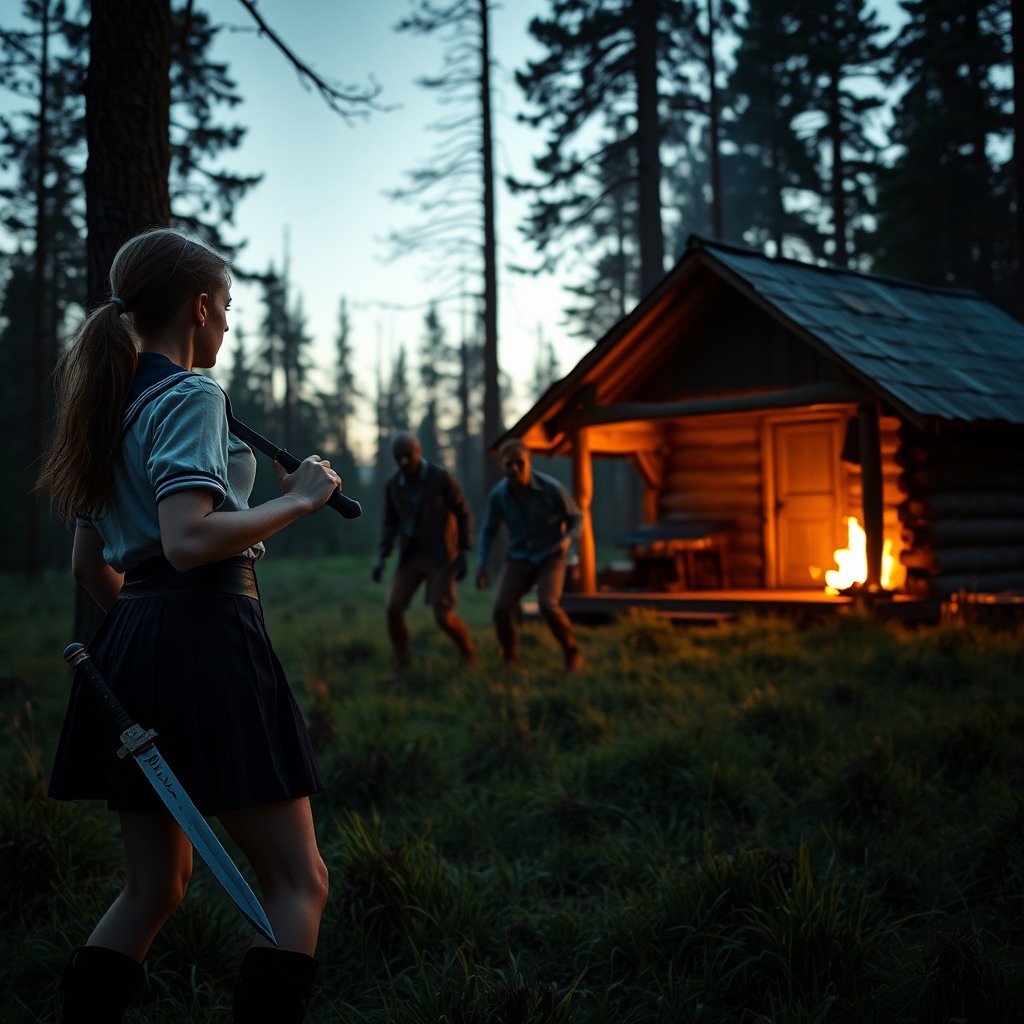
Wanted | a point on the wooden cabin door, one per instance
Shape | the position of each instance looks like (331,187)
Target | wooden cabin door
(806,501)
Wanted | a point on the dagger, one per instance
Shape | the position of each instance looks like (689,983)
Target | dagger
(138,743)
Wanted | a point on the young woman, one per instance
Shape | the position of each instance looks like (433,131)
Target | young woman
(165,543)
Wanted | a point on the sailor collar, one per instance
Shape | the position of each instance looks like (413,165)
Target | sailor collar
(154,375)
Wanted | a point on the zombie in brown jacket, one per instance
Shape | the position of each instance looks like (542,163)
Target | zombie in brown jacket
(426,512)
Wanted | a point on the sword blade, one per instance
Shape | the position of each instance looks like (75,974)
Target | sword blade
(201,836)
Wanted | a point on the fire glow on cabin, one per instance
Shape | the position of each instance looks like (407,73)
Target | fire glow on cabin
(853,562)
(803,434)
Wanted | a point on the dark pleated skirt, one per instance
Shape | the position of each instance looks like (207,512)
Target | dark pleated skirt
(200,670)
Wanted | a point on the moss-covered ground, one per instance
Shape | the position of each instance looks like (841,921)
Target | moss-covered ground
(759,822)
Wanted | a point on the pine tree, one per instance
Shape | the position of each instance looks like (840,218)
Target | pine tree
(244,386)
(465,433)
(839,42)
(398,403)
(456,190)
(43,147)
(769,164)
(203,194)
(382,463)
(285,360)
(16,368)
(341,403)
(435,372)
(546,369)
(945,205)
(339,410)
(614,70)
(270,352)
(610,254)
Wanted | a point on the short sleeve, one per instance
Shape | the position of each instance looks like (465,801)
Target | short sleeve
(189,440)
(85,521)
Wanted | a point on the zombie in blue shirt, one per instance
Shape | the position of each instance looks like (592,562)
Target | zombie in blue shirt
(542,520)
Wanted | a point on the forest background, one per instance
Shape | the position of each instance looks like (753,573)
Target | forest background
(879,137)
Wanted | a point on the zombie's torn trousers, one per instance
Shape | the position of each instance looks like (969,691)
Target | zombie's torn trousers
(440,595)
(515,580)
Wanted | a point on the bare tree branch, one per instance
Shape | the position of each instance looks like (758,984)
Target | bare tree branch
(348,101)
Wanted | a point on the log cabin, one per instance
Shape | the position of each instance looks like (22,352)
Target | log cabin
(786,417)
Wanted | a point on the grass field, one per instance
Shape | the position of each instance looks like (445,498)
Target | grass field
(752,823)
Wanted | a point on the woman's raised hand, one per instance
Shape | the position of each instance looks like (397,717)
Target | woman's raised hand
(314,481)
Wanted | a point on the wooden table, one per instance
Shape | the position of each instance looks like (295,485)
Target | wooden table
(664,553)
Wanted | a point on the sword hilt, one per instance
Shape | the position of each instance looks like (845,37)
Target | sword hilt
(77,656)
(348,507)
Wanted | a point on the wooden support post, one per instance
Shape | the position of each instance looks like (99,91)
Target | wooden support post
(583,491)
(769,513)
(871,491)
(649,503)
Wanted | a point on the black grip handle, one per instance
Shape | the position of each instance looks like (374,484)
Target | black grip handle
(78,656)
(348,507)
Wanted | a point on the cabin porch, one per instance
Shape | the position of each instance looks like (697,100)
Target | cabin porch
(712,607)
(749,505)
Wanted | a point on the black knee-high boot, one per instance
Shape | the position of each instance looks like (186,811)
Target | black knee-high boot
(274,985)
(98,984)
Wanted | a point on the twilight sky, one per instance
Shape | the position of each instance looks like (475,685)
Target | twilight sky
(324,181)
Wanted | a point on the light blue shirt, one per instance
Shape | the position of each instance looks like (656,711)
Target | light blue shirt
(538,520)
(178,441)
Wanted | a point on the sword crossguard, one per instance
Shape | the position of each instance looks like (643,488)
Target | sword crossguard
(135,739)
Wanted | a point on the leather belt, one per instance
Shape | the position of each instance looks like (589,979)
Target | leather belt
(158,578)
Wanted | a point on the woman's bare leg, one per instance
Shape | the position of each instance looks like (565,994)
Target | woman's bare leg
(157,871)
(279,842)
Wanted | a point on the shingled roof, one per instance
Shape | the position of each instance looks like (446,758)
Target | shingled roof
(940,352)
(931,353)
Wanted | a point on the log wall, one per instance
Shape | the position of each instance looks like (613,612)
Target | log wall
(714,470)
(963,512)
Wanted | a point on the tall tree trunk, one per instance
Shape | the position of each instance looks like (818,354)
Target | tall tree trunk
(1017,9)
(981,223)
(621,268)
(128,98)
(289,356)
(714,162)
(344,381)
(127,103)
(778,203)
(648,144)
(465,412)
(40,348)
(492,392)
(838,197)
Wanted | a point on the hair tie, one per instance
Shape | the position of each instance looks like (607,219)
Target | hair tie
(120,302)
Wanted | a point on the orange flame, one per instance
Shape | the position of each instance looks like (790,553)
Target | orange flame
(853,561)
